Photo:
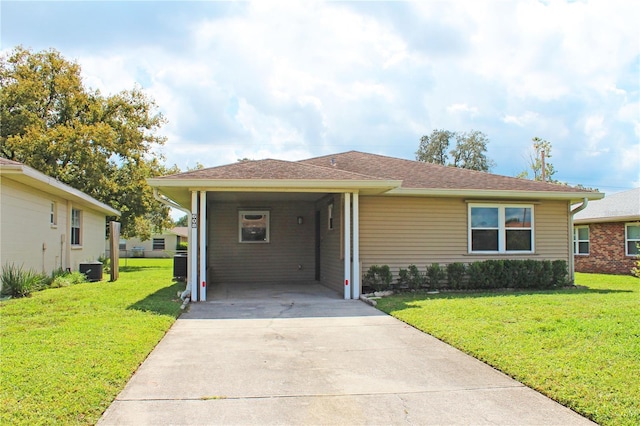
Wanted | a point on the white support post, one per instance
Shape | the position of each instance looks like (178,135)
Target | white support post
(347,245)
(355,281)
(203,246)
(193,247)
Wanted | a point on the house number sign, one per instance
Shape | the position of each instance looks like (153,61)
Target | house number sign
(194,220)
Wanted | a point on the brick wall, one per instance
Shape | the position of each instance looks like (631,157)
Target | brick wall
(606,250)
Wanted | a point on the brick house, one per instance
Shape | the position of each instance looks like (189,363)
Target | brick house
(607,234)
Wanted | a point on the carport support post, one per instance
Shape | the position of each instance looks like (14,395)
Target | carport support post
(347,245)
(193,247)
(203,245)
(355,281)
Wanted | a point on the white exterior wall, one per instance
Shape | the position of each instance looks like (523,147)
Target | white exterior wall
(170,244)
(28,239)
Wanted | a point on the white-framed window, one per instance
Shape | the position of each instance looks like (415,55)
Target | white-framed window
(330,216)
(158,243)
(253,226)
(581,240)
(76,227)
(122,244)
(53,215)
(632,238)
(495,228)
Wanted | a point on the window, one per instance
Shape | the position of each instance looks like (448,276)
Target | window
(500,229)
(53,216)
(122,244)
(330,216)
(253,226)
(581,240)
(158,243)
(632,238)
(76,227)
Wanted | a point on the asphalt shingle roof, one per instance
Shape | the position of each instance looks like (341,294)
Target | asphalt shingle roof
(620,205)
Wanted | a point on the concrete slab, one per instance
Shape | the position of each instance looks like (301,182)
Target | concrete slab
(292,355)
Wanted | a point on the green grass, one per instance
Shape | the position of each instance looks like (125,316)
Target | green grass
(66,353)
(579,347)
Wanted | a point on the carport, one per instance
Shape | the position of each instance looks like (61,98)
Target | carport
(271,221)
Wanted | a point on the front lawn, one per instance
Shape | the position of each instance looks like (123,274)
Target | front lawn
(67,352)
(579,347)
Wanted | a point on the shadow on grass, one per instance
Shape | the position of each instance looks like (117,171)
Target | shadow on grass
(496,293)
(163,302)
(138,268)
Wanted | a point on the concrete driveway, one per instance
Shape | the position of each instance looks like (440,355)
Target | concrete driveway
(301,355)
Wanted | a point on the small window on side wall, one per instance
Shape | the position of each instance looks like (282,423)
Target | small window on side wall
(581,240)
(253,226)
(76,227)
(53,216)
(632,239)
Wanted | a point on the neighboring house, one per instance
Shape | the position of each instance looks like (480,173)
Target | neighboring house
(165,244)
(330,218)
(46,224)
(607,234)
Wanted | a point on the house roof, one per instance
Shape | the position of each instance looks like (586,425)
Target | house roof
(362,172)
(26,175)
(181,231)
(619,207)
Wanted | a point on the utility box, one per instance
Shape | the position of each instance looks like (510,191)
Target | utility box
(180,267)
(92,270)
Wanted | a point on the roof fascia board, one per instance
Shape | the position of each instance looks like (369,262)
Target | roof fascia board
(29,176)
(495,194)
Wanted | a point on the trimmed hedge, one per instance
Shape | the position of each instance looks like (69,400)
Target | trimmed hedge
(485,275)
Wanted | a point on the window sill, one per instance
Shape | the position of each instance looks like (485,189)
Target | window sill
(53,226)
(76,247)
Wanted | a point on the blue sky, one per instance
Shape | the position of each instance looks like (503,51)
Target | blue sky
(292,80)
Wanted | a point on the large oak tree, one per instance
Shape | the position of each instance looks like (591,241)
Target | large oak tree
(105,146)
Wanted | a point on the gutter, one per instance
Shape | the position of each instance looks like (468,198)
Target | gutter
(572,213)
(185,296)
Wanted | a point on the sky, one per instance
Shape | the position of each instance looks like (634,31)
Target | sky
(297,79)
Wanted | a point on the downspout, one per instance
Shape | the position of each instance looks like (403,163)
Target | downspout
(585,202)
(186,294)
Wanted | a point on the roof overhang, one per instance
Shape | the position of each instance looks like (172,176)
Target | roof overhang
(35,179)
(180,190)
(493,194)
(634,218)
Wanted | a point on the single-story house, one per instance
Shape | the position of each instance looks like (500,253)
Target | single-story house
(165,244)
(607,234)
(46,224)
(328,219)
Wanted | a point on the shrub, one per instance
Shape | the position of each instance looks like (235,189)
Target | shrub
(403,278)
(106,263)
(68,278)
(560,272)
(416,279)
(182,246)
(378,277)
(18,282)
(436,274)
(456,274)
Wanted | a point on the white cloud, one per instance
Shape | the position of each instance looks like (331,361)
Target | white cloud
(524,119)
(462,108)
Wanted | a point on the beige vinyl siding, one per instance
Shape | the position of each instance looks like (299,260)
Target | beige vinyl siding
(291,245)
(27,237)
(400,231)
(331,264)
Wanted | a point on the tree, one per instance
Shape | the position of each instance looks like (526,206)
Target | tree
(103,146)
(539,161)
(433,149)
(469,152)
(183,221)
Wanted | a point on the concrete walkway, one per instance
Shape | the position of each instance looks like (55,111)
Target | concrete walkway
(301,355)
